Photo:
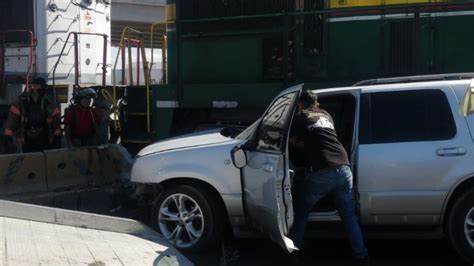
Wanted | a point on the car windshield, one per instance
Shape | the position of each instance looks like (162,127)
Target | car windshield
(247,133)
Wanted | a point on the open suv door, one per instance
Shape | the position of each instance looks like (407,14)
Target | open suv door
(467,104)
(265,170)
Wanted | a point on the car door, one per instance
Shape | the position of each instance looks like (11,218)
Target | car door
(266,177)
(412,145)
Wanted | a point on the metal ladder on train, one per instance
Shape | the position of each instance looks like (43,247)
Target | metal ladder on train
(137,129)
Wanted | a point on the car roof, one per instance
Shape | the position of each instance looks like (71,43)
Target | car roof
(455,84)
(416,78)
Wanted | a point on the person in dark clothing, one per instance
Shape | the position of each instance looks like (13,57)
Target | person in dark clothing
(80,120)
(327,171)
(34,119)
(6,145)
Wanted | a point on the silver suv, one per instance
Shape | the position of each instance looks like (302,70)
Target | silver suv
(410,141)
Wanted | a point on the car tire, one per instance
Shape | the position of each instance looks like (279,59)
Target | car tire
(460,226)
(202,217)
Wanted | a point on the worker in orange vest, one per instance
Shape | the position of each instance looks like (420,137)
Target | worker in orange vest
(34,119)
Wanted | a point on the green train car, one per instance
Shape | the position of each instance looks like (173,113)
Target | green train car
(228,58)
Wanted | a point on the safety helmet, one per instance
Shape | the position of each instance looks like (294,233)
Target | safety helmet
(86,92)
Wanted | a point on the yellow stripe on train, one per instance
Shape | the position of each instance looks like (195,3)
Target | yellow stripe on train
(170,12)
(361,3)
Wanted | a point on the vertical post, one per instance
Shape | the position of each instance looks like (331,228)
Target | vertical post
(164,59)
(122,48)
(130,65)
(32,60)
(179,82)
(152,33)
(138,62)
(104,62)
(147,83)
(76,61)
(2,65)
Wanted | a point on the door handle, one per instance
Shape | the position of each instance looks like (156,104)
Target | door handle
(268,168)
(458,151)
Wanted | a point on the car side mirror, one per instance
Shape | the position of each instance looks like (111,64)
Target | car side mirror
(239,157)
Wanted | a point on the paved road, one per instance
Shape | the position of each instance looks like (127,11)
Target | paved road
(335,252)
(263,252)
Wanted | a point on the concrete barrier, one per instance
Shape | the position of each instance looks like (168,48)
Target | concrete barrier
(115,161)
(63,169)
(22,173)
(67,168)
(93,166)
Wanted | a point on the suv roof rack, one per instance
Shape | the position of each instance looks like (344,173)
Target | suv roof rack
(453,76)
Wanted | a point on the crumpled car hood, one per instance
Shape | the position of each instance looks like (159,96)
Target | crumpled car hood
(186,141)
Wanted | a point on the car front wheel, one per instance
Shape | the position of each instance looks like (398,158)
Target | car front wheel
(188,217)
(460,226)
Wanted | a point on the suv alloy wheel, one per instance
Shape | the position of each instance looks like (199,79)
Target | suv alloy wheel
(460,226)
(188,217)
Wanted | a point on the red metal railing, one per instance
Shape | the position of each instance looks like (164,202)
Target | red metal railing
(137,45)
(129,44)
(31,57)
(124,41)
(76,58)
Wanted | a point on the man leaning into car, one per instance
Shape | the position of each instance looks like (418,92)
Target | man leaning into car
(327,171)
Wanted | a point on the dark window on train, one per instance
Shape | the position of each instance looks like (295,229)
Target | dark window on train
(405,116)
(275,65)
(313,28)
(403,47)
(17,14)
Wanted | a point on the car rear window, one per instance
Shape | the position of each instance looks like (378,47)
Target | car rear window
(405,116)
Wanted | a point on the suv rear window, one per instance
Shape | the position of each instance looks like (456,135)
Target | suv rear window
(404,116)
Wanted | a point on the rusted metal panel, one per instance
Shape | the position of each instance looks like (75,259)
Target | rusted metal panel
(22,173)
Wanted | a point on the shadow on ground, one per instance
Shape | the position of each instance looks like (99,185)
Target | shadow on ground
(263,252)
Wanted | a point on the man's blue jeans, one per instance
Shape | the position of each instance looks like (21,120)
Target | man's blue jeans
(317,185)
